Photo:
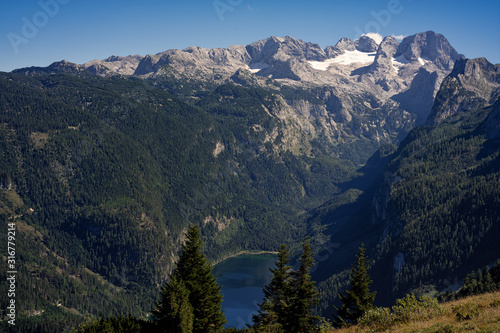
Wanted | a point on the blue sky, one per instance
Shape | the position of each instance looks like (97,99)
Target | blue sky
(37,33)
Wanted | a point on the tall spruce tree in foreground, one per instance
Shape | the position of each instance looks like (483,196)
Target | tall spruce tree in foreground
(306,296)
(275,309)
(289,296)
(192,278)
(358,299)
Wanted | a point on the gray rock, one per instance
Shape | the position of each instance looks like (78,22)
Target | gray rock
(114,65)
(196,62)
(344,44)
(282,48)
(473,83)
(366,44)
(403,76)
(428,46)
(480,76)
(418,99)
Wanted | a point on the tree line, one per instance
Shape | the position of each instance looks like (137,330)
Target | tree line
(475,283)
(191,300)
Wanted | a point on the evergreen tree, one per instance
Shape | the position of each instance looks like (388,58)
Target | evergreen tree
(174,312)
(488,283)
(195,272)
(275,309)
(267,319)
(479,279)
(470,285)
(306,296)
(289,296)
(358,299)
(495,273)
(114,324)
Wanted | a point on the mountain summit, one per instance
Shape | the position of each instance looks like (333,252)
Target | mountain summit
(403,76)
(407,72)
(269,56)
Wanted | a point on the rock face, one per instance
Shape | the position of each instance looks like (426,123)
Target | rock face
(400,79)
(385,88)
(480,76)
(385,54)
(344,44)
(471,82)
(465,112)
(428,46)
(389,66)
(114,65)
(195,62)
(366,44)
(277,48)
(424,60)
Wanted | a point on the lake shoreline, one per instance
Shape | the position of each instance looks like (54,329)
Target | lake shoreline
(245,252)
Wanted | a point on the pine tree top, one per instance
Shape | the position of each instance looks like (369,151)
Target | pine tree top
(205,296)
(358,298)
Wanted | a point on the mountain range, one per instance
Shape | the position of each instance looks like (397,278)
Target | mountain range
(359,67)
(105,164)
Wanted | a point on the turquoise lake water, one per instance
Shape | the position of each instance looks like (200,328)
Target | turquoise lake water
(242,279)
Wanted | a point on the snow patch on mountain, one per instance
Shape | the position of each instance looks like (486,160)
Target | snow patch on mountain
(347,58)
(352,57)
(399,62)
(423,61)
(321,65)
(255,68)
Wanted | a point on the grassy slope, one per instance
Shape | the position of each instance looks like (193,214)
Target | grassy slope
(473,314)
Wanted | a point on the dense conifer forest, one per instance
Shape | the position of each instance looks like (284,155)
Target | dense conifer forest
(102,178)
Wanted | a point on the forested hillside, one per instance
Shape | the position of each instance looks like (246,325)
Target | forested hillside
(102,176)
(435,214)
(443,213)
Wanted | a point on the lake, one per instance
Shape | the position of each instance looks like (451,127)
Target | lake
(242,279)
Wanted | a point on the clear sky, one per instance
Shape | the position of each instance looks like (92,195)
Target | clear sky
(39,32)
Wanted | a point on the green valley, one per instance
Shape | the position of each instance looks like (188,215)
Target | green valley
(102,174)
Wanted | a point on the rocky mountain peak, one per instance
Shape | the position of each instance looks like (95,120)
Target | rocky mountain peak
(282,48)
(114,65)
(64,66)
(480,76)
(412,71)
(344,44)
(288,58)
(115,58)
(383,62)
(471,84)
(407,73)
(388,47)
(429,46)
(366,44)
